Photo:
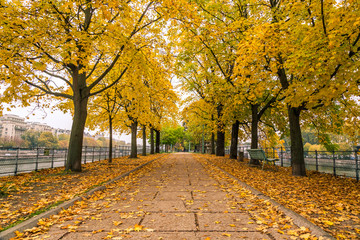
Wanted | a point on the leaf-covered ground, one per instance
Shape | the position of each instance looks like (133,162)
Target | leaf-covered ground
(333,203)
(28,194)
(175,197)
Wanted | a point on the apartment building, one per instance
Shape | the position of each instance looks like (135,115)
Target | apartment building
(12,126)
(40,127)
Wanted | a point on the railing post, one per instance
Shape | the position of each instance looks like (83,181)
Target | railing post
(357,166)
(273,152)
(281,157)
(93,154)
(52,158)
(85,155)
(316,160)
(334,163)
(37,159)
(17,161)
(99,153)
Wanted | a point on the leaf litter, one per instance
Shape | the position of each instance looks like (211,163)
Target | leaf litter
(330,202)
(28,194)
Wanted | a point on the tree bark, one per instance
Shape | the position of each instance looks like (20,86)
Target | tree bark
(144,141)
(152,146)
(254,130)
(220,141)
(234,139)
(297,149)
(254,126)
(133,153)
(73,161)
(157,147)
(212,143)
(111,139)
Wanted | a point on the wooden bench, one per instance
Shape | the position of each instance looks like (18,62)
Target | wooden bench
(259,154)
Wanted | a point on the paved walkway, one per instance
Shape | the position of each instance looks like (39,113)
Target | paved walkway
(175,199)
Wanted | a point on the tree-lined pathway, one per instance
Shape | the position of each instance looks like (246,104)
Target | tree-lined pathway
(177,197)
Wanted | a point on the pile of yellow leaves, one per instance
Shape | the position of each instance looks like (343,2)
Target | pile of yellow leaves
(34,192)
(330,202)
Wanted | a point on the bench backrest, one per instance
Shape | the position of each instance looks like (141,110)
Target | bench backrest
(257,154)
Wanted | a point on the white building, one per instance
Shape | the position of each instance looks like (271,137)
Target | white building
(40,127)
(62,131)
(12,126)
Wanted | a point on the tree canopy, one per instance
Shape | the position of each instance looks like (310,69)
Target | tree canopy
(261,70)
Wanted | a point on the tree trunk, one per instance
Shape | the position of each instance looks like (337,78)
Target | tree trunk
(254,130)
(111,139)
(73,161)
(297,149)
(144,141)
(254,126)
(152,147)
(220,141)
(133,153)
(212,143)
(157,134)
(220,144)
(234,139)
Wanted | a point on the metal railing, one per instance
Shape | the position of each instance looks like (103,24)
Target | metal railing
(337,163)
(14,161)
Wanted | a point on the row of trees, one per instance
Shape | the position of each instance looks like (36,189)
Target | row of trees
(102,58)
(267,65)
(34,139)
(271,66)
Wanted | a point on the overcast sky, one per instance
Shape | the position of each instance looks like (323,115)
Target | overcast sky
(57,119)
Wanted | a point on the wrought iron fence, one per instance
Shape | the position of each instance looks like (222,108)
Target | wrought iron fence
(338,163)
(19,160)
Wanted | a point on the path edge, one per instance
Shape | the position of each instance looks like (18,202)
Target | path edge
(32,222)
(297,218)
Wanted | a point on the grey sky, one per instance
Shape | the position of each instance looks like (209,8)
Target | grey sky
(55,119)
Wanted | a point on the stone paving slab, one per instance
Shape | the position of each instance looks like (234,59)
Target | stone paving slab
(173,195)
(212,206)
(233,235)
(108,221)
(149,206)
(163,235)
(225,222)
(210,196)
(170,221)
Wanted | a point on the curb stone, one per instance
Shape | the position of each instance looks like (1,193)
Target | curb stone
(297,218)
(32,222)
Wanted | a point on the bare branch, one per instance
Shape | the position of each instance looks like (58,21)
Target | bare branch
(49,91)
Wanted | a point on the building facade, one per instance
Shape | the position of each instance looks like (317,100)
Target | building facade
(40,127)
(12,126)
